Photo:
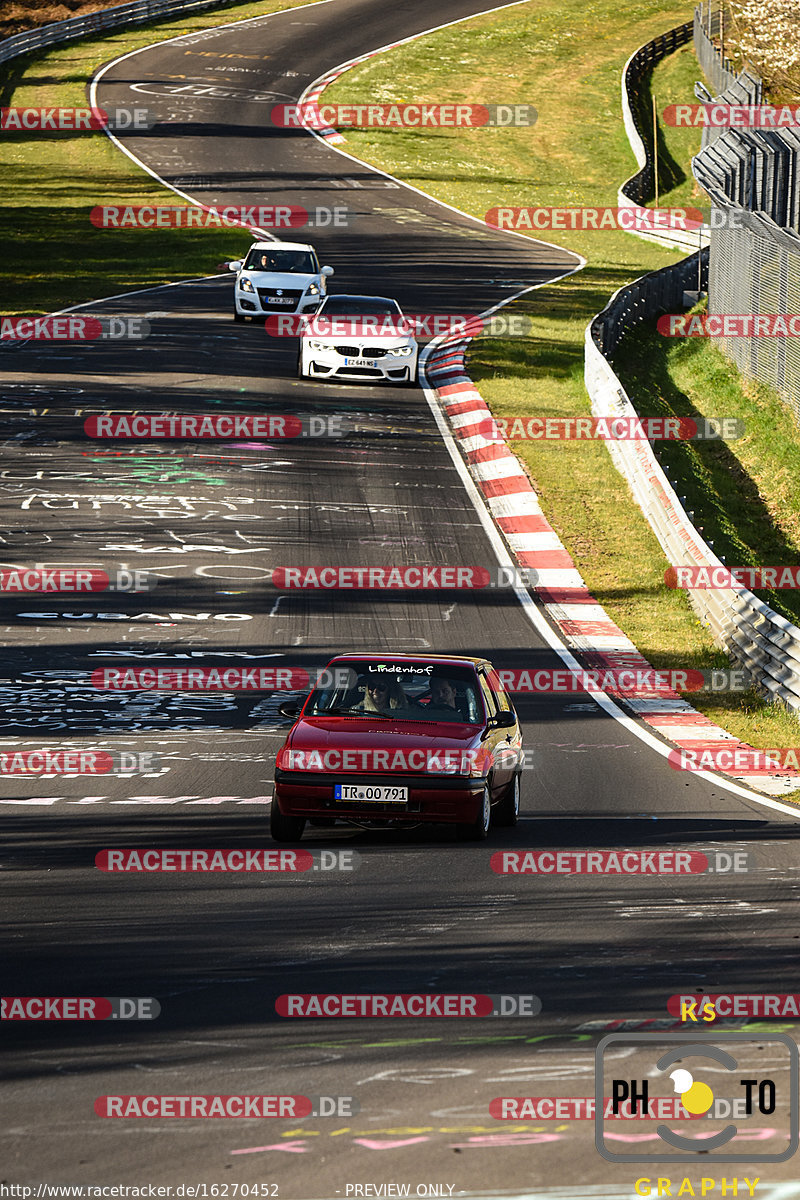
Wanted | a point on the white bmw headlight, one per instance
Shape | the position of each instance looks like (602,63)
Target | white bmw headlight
(245,284)
(318,346)
(401,351)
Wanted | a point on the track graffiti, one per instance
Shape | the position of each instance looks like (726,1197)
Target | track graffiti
(158,508)
(481,1137)
(52,701)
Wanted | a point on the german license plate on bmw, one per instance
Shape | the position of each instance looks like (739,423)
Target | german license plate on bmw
(361,791)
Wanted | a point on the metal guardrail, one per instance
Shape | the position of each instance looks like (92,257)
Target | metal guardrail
(137,13)
(636,191)
(648,297)
(763,642)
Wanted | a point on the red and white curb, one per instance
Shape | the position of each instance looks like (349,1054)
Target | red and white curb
(310,98)
(583,623)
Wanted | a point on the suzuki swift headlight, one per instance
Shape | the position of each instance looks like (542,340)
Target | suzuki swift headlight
(313,290)
(245,284)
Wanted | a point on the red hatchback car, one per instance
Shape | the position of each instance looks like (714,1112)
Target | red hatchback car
(400,740)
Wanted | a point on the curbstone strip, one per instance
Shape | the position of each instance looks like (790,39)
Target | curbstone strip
(560,588)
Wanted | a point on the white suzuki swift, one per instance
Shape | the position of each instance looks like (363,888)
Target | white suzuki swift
(278,277)
(358,338)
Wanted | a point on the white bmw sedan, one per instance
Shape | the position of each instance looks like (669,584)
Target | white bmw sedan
(358,338)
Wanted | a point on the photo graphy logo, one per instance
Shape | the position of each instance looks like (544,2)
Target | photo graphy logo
(740,1067)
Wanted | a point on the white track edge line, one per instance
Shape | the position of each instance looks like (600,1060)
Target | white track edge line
(166,41)
(543,627)
(354,62)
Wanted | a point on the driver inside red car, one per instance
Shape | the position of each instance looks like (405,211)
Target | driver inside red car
(442,695)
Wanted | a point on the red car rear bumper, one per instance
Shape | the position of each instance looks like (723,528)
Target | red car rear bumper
(430,798)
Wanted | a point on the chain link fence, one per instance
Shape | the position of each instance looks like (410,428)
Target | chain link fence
(718,70)
(753,178)
(754,274)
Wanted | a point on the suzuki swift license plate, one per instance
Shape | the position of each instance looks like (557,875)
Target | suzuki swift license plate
(361,791)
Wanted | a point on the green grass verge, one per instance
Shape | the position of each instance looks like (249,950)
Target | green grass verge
(567,59)
(52,255)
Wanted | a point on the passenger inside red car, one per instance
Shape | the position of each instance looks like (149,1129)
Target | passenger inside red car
(382,696)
